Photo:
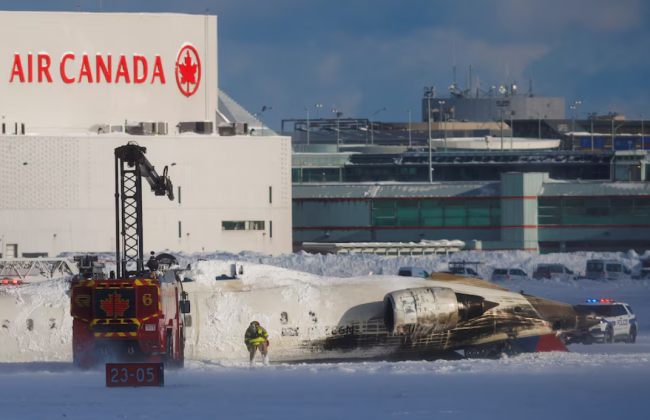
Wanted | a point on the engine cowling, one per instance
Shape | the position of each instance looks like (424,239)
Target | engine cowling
(430,310)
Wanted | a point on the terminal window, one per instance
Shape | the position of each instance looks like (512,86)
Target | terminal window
(437,213)
(593,211)
(238,225)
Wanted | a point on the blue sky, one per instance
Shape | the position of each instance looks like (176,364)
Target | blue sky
(362,55)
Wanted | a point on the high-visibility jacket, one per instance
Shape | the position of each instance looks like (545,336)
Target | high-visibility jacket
(256,337)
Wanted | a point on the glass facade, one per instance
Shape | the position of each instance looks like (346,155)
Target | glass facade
(593,211)
(321,175)
(472,212)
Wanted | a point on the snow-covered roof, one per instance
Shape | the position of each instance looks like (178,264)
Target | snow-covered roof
(594,188)
(395,249)
(396,189)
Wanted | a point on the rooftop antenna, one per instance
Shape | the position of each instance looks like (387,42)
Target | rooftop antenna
(453,43)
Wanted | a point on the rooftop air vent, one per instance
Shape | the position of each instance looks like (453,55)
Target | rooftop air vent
(146,128)
(198,127)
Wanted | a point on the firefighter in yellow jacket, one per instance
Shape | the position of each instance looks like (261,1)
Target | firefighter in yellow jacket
(257,338)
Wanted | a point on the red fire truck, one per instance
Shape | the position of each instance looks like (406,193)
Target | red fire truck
(140,314)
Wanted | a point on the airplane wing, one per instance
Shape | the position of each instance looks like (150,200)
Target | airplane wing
(452,278)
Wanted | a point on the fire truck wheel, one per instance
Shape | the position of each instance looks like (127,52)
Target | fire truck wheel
(181,362)
(170,362)
(169,348)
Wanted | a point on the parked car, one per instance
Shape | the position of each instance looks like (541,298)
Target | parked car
(553,271)
(617,323)
(607,269)
(508,274)
(645,270)
(412,272)
(464,268)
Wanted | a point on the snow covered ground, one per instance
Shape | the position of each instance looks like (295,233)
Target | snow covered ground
(596,381)
(537,386)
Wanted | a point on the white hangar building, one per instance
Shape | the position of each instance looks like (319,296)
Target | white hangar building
(74,86)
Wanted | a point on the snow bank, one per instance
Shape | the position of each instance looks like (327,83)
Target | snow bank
(35,322)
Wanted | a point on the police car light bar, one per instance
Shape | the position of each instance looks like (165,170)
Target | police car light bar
(599,301)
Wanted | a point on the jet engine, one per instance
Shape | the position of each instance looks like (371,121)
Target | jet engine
(430,310)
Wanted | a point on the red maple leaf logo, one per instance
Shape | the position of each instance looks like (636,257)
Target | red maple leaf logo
(188,70)
(114,305)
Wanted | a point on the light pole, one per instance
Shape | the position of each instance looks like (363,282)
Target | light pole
(573,123)
(539,126)
(440,104)
(307,109)
(409,111)
(440,118)
(318,107)
(590,117)
(575,107)
(429,92)
(265,108)
(338,138)
(372,127)
(614,131)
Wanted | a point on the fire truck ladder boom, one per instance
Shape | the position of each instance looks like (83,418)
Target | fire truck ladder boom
(131,165)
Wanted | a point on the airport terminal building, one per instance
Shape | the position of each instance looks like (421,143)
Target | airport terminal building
(77,85)
(597,201)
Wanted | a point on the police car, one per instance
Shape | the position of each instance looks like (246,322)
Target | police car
(617,322)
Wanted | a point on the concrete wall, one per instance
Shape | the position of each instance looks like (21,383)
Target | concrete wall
(56,106)
(58,193)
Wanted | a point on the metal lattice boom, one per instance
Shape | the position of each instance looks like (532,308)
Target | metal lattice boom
(131,166)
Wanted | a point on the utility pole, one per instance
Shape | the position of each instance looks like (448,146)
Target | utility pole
(307,109)
(429,92)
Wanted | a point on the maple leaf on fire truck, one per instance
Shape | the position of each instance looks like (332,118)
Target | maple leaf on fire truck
(114,305)
(188,70)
